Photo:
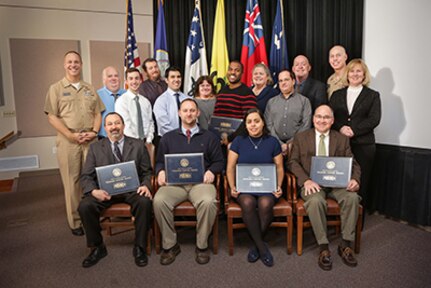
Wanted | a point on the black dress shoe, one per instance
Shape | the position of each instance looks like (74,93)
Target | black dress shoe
(168,256)
(96,254)
(141,258)
(78,231)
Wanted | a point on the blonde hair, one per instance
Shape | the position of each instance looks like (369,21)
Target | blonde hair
(269,81)
(349,67)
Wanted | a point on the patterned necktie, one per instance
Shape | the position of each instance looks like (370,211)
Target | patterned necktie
(321,150)
(189,135)
(117,152)
(140,121)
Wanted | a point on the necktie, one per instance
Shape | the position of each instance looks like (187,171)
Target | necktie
(140,121)
(117,152)
(321,150)
(177,97)
(189,135)
(116,95)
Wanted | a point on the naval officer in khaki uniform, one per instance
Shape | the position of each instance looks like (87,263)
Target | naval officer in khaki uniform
(74,110)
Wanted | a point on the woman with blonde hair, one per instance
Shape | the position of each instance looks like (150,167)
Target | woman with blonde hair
(357,111)
(262,85)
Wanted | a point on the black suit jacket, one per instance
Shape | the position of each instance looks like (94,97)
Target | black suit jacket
(315,91)
(100,154)
(304,147)
(365,116)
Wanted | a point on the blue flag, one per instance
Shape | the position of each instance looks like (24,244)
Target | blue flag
(278,55)
(160,44)
(196,59)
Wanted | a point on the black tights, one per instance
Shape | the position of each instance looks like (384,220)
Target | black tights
(257,220)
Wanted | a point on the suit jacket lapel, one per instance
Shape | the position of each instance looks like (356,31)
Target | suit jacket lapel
(127,149)
(332,143)
(362,96)
(107,150)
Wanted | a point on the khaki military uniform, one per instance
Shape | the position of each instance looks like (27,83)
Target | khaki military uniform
(334,83)
(76,109)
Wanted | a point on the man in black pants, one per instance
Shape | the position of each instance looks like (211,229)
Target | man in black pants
(115,148)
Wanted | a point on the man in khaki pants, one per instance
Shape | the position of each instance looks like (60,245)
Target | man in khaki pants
(74,110)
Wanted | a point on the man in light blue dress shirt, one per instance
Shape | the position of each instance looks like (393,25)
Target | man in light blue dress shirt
(166,105)
(109,93)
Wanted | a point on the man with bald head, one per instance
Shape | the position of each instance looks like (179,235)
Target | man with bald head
(109,93)
(337,60)
(306,145)
(313,89)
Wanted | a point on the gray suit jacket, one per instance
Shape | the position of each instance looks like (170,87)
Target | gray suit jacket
(100,154)
(304,147)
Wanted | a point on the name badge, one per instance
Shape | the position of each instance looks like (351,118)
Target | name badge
(88,93)
(66,94)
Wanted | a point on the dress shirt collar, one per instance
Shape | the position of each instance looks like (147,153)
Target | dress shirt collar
(120,144)
(193,130)
(172,92)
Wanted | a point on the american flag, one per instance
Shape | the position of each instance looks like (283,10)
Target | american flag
(253,45)
(131,55)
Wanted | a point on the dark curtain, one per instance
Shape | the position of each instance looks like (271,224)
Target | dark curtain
(312,28)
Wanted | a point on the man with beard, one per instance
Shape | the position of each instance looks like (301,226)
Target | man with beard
(114,149)
(109,93)
(154,86)
(75,110)
(235,98)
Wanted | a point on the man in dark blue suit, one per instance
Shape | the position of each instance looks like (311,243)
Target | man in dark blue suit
(115,148)
(313,89)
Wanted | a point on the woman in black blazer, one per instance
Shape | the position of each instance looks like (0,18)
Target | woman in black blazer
(357,111)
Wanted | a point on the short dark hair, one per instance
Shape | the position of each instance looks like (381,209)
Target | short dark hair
(200,81)
(189,100)
(240,64)
(171,68)
(265,130)
(148,60)
(131,70)
(292,74)
(113,113)
(73,52)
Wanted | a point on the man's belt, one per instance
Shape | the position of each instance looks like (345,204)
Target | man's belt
(81,130)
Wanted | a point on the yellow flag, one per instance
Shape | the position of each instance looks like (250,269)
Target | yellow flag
(219,56)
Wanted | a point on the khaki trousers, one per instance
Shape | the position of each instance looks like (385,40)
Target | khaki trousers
(315,205)
(71,158)
(203,198)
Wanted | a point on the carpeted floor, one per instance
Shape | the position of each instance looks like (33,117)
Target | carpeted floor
(38,250)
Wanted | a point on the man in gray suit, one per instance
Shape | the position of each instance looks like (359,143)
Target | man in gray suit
(115,148)
(307,144)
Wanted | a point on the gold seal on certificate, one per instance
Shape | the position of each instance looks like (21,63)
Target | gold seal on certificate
(256,178)
(333,172)
(184,169)
(118,178)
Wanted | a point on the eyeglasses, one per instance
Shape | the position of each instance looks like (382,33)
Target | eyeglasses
(324,117)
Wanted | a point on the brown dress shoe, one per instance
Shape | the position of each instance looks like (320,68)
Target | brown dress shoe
(325,260)
(168,256)
(202,255)
(348,256)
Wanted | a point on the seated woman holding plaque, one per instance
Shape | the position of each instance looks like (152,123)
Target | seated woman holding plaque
(256,147)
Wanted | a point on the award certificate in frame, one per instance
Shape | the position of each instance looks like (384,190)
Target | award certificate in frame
(223,126)
(333,172)
(118,178)
(256,178)
(182,169)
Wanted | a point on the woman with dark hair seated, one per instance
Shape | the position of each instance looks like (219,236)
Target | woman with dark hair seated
(256,146)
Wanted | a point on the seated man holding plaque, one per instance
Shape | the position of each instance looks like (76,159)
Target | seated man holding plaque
(257,147)
(323,142)
(189,138)
(115,149)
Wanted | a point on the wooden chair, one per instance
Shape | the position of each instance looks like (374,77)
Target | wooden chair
(182,214)
(283,217)
(333,214)
(119,214)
